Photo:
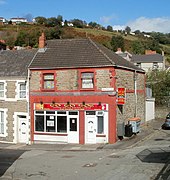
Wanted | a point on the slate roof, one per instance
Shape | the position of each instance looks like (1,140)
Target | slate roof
(15,63)
(76,53)
(149,58)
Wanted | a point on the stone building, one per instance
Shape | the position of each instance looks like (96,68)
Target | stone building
(80,91)
(14,118)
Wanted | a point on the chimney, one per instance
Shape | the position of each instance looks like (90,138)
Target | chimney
(149,52)
(119,50)
(42,41)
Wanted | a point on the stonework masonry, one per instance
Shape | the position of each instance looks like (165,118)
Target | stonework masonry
(135,104)
(11,86)
(35,80)
(17,106)
(67,80)
(103,78)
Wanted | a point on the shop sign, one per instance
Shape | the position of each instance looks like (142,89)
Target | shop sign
(121,96)
(70,106)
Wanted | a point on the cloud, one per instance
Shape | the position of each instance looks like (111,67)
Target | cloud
(2,2)
(160,24)
(107,19)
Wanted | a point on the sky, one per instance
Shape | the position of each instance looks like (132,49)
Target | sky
(143,15)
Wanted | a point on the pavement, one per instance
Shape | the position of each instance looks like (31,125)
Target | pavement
(146,131)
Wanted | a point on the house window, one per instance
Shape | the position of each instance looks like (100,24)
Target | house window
(22,90)
(2,89)
(87,80)
(2,124)
(138,65)
(48,81)
(155,65)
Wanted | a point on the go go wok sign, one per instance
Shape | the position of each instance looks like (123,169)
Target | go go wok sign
(74,106)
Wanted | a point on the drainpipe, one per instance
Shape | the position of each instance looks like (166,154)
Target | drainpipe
(28,107)
(135,89)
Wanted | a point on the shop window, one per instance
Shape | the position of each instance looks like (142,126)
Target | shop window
(39,123)
(2,125)
(90,112)
(87,80)
(61,112)
(73,113)
(48,81)
(50,112)
(100,124)
(2,89)
(62,124)
(50,124)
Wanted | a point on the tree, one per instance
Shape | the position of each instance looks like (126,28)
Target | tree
(51,22)
(40,20)
(159,82)
(137,47)
(117,42)
(109,28)
(128,29)
(78,23)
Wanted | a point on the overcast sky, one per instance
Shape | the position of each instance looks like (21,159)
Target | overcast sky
(143,15)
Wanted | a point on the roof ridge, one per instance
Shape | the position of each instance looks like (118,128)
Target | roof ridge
(95,45)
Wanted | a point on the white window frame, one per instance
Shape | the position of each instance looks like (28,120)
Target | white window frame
(87,80)
(5,84)
(19,90)
(5,122)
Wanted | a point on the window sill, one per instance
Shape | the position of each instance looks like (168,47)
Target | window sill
(92,89)
(51,133)
(47,90)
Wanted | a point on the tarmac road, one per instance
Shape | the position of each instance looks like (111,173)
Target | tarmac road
(142,157)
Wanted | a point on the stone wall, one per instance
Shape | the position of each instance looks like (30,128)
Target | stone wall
(134,105)
(103,79)
(67,80)
(35,80)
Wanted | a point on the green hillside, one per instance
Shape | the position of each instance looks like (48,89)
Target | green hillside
(28,34)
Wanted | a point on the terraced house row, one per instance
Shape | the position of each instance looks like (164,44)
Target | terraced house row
(69,90)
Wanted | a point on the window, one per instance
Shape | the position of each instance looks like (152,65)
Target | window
(48,81)
(2,89)
(62,124)
(100,125)
(138,65)
(39,123)
(22,90)
(87,80)
(155,65)
(50,123)
(2,125)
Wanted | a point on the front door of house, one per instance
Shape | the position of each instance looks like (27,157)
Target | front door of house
(22,129)
(91,129)
(73,125)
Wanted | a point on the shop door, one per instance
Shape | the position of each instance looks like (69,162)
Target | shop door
(73,132)
(22,129)
(91,129)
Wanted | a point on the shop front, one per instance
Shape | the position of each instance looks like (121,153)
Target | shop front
(70,123)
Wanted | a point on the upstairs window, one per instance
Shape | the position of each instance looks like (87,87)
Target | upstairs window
(22,90)
(2,90)
(87,80)
(48,81)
